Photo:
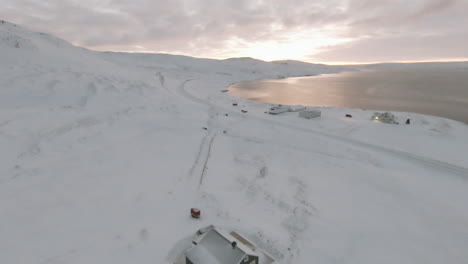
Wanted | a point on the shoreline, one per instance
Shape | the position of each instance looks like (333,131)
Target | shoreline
(240,92)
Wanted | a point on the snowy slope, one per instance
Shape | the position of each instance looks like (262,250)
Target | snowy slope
(103,154)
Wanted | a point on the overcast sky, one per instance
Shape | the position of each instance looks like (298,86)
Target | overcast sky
(327,31)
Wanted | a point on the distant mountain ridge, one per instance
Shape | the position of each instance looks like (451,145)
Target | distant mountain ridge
(17,39)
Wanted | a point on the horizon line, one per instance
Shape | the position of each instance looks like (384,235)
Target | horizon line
(333,63)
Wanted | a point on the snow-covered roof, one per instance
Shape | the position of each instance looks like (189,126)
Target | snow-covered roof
(278,109)
(215,247)
(296,108)
(231,238)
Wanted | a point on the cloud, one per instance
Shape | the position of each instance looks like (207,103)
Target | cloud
(397,48)
(416,30)
(222,28)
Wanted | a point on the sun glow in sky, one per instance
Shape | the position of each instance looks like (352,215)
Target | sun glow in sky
(294,46)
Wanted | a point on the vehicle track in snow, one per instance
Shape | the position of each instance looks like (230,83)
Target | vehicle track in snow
(207,158)
(200,165)
(439,165)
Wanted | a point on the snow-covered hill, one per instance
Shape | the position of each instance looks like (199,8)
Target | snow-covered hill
(103,154)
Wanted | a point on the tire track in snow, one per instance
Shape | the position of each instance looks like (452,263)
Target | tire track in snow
(207,158)
(200,166)
(90,92)
(199,154)
(207,141)
(162,81)
(184,94)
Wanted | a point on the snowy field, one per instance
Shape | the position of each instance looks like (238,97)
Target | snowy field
(103,154)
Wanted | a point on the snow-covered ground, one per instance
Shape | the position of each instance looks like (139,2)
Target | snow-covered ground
(103,154)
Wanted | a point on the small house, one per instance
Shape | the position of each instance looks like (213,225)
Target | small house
(278,109)
(213,245)
(308,114)
(386,117)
